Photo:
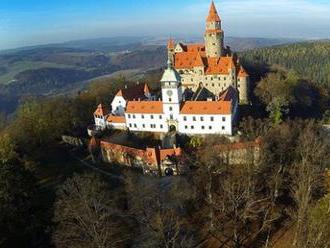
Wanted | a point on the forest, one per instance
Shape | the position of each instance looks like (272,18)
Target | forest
(48,198)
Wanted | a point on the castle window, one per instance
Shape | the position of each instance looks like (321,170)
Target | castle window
(135,125)
(224,78)
(185,118)
(238,85)
(223,118)
(192,127)
(185,127)
(223,127)
(171,116)
(203,127)
(151,116)
(238,79)
(213,44)
(194,118)
(212,118)
(161,126)
(160,117)
(170,99)
(212,85)
(210,127)
(170,108)
(129,116)
(133,116)
(202,118)
(211,78)
(130,125)
(142,116)
(143,125)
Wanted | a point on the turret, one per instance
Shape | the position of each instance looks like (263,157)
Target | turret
(214,34)
(170,49)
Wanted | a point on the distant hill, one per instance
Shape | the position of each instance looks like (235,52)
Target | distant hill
(309,59)
(57,68)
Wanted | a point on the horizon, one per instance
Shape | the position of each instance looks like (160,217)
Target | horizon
(36,22)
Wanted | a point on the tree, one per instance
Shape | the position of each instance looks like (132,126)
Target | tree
(159,208)
(276,90)
(308,179)
(18,193)
(87,215)
(319,224)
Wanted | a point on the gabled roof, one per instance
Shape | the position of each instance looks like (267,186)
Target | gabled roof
(144,107)
(199,61)
(101,110)
(229,94)
(213,14)
(206,108)
(134,92)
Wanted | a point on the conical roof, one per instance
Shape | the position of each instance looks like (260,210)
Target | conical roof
(213,14)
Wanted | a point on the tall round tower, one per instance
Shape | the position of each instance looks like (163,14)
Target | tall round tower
(214,34)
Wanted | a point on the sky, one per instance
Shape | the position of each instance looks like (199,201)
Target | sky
(31,22)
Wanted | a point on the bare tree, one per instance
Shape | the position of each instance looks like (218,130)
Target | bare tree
(158,206)
(86,215)
(308,179)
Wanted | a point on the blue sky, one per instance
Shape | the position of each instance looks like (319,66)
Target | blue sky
(29,22)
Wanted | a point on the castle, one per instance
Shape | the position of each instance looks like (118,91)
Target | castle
(200,91)
(209,65)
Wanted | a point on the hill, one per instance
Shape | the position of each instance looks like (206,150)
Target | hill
(309,59)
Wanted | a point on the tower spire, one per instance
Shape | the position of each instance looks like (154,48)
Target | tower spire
(213,14)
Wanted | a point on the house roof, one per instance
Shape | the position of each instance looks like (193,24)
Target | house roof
(229,94)
(101,110)
(170,44)
(144,107)
(242,72)
(164,153)
(135,92)
(213,14)
(116,119)
(150,155)
(213,66)
(206,108)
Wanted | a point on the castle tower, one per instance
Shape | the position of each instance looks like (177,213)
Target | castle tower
(171,94)
(170,50)
(214,34)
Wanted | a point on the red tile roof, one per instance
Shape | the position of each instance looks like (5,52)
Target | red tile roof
(213,66)
(149,155)
(116,119)
(206,108)
(101,110)
(144,107)
(242,72)
(164,153)
(213,14)
(170,44)
(134,92)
